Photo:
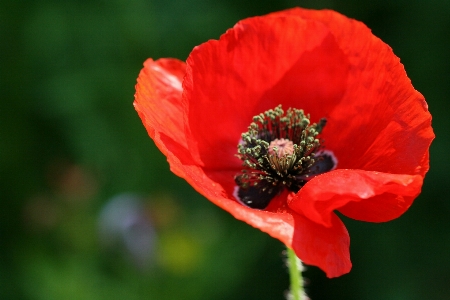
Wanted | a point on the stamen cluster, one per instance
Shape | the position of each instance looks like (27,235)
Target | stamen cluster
(278,149)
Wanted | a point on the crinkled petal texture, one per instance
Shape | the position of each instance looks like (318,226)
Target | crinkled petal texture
(378,126)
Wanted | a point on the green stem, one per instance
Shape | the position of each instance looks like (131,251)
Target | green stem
(294,265)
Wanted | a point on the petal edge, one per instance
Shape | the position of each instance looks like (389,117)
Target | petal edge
(358,194)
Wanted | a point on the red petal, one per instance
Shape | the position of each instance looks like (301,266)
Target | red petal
(257,65)
(381,119)
(158,102)
(327,248)
(361,195)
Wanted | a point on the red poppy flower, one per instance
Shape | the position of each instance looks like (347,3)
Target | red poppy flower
(368,162)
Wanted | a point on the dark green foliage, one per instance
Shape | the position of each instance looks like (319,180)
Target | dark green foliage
(71,140)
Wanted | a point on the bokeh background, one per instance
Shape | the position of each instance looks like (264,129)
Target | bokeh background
(88,206)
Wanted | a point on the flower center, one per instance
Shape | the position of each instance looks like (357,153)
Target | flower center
(280,150)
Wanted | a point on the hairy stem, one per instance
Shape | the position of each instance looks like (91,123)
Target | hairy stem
(295,269)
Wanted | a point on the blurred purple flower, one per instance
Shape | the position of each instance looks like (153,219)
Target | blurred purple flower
(124,225)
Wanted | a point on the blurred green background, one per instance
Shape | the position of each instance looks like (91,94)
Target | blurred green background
(71,141)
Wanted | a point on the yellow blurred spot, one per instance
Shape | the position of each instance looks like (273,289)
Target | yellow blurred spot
(179,253)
